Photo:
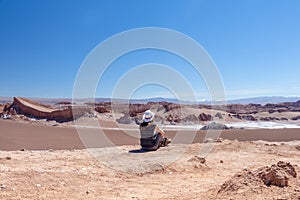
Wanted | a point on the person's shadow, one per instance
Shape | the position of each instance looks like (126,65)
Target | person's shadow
(138,151)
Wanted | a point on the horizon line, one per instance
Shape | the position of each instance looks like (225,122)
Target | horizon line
(156,97)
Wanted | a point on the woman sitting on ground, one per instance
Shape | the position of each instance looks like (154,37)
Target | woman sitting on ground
(152,137)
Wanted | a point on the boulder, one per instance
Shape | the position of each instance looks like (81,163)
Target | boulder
(172,119)
(102,109)
(219,115)
(190,119)
(215,126)
(126,119)
(274,177)
(204,117)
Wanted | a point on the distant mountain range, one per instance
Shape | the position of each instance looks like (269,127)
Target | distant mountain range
(256,100)
(264,100)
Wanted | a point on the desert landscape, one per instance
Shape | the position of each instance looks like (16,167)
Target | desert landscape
(166,113)
(44,156)
(83,82)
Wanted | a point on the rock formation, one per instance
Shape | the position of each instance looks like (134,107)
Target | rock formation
(135,109)
(40,111)
(295,118)
(255,108)
(269,119)
(219,115)
(172,119)
(204,117)
(166,112)
(190,119)
(126,119)
(245,117)
(170,106)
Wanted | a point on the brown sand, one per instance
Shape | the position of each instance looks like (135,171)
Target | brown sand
(15,135)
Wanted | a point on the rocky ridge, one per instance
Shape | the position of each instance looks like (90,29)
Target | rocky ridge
(166,112)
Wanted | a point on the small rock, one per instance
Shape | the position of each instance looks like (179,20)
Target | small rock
(288,168)
(221,161)
(272,145)
(22,149)
(209,140)
(170,173)
(13,189)
(197,166)
(2,186)
(295,193)
(38,185)
(297,147)
(197,159)
(87,192)
(8,158)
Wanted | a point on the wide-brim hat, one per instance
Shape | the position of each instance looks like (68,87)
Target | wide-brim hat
(148,116)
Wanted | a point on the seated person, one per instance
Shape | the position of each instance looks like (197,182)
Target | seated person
(152,137)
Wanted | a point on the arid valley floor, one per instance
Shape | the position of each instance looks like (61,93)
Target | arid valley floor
(49,160)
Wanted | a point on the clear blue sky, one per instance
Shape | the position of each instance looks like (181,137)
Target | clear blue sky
(254,43)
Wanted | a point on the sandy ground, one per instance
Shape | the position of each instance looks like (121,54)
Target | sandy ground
(77,174)
(17,135)
(43,162)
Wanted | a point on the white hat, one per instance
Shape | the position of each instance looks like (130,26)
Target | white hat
(148,116)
